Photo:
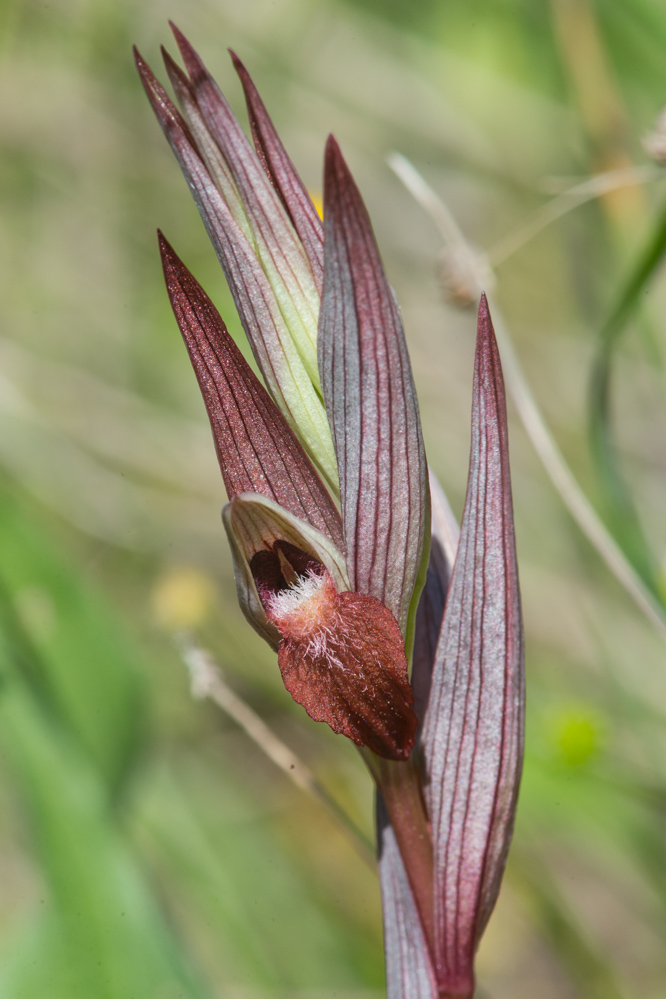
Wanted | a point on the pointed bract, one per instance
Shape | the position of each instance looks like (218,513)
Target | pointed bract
(256,449)
(279,249)
(277,356)
(473,731)
(283,176)
(206,146)
(371,403)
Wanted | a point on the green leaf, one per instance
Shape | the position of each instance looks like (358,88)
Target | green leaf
(102,934)
(620,509)
(69,645)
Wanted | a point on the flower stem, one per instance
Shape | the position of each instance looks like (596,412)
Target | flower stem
(400,786)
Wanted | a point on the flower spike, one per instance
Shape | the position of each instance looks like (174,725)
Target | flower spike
(473,731)
(346,597)
(371,403)
(256,449)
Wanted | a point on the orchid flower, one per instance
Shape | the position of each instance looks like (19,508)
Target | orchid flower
(347,558)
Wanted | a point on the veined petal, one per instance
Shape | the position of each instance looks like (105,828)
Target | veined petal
(284,177)
(278,358)
(280,251)
(409,970)
(371,403)
(256,449)
(253,523)
(444,534)
(473,731)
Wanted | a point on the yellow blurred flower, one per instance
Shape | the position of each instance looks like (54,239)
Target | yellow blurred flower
(318,202)
(578,733)
(183,597)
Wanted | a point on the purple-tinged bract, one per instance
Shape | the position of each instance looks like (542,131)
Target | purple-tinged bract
(473,732)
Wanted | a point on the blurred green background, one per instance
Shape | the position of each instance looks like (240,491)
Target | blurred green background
(148,848)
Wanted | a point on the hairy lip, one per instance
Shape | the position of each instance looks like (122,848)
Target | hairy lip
(341,655)
(307,607)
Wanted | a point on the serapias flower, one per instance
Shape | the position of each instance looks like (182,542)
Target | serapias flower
(341,653)
(329,521)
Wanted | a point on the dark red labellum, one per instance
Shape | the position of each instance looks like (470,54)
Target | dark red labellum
(342,655)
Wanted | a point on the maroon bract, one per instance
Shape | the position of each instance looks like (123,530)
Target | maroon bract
(371,403)
(256,449)
(283,176)
(473,731)
(266,265)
